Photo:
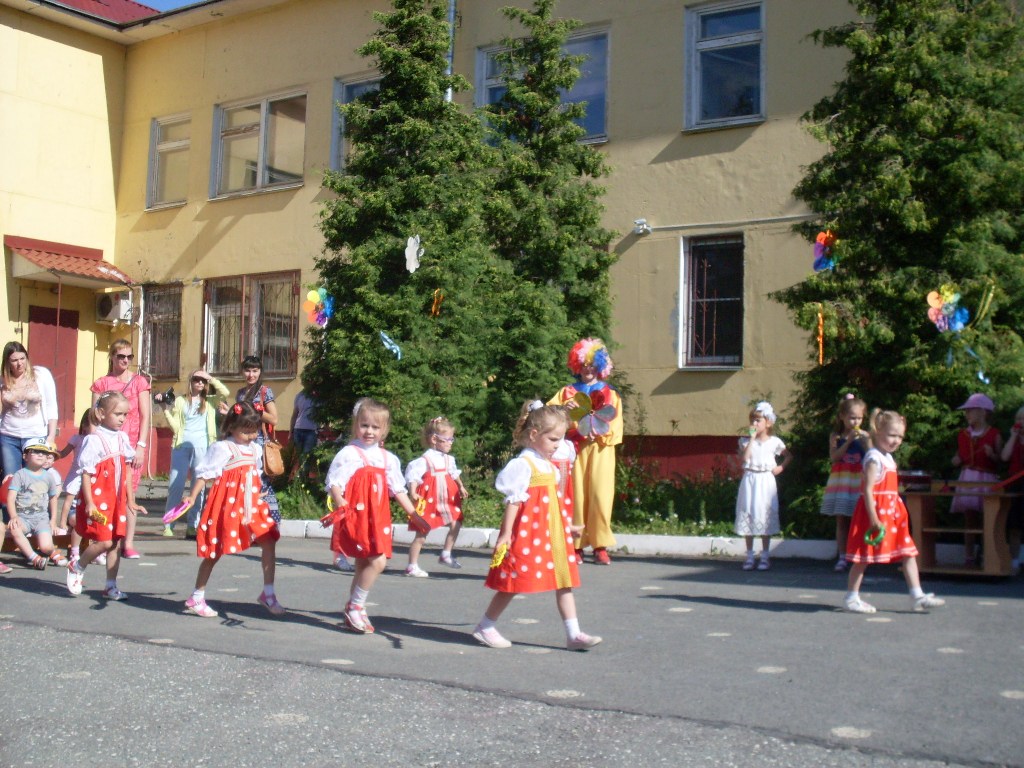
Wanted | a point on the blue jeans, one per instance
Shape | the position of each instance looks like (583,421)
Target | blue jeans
(304,440)
(11,450)
(184,460)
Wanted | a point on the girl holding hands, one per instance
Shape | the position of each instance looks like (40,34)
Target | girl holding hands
(236,515)
(106,499)
(435,487)
(360,481)
(534,551)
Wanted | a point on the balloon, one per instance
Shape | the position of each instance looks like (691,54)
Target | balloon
(313,296)
(934,300)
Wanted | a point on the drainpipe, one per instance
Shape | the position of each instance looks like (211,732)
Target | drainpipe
(451,45)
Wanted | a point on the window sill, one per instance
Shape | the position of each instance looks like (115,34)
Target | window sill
(719,125)
(598,139)
(259,191)
(716,368)
(165,206)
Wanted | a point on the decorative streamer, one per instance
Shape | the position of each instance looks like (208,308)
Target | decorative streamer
(821,335)
(438,298)
(390,345)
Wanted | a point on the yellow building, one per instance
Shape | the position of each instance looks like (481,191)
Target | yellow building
(174,161)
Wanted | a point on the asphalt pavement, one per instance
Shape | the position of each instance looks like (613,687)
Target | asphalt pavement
(702,664)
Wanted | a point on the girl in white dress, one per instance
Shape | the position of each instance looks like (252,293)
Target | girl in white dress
(757,503)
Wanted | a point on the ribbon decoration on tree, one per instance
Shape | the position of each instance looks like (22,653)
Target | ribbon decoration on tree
(821,334)
(390,345)
(413,251)
(319,306)
(823,251)
(435,310)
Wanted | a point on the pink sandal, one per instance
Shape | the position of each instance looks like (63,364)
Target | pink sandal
(5,568)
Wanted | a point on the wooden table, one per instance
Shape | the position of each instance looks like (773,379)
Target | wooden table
(926,529)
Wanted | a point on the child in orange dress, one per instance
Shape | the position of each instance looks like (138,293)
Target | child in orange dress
(880,529)
(235,516)
(534,551)
(435,483)
(107,498)
(978,449)
(361,478)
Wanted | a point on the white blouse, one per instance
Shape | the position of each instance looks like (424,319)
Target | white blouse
(348,461)
(762,455)
(100,444)
(219,454)
(513,482)
(417,468)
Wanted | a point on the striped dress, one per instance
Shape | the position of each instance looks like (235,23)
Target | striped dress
(843,487)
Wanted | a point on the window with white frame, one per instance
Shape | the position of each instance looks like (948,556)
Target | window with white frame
(346,92)
(252,315)
(711,292)
(161,330)
(725,64)
(260,145)
(170,139)
(591,87)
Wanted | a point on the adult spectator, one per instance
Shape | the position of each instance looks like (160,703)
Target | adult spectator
(260,397)
(304,427)
(29,410)
(135,387)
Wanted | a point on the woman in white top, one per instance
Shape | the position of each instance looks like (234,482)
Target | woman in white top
(29,405)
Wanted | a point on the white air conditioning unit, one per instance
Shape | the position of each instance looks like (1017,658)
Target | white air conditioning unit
(114,307)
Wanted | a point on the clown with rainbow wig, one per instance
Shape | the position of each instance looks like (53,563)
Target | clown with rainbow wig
(596,414)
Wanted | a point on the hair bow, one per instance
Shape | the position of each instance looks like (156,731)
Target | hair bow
(765,409)
(536,404)
(238,409)
(258,407)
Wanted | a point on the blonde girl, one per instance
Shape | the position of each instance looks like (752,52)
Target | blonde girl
(846,448)
(236,515)
(106,500)
(534,550)
(436,489)
(757,502)
(360,480)
(880,529)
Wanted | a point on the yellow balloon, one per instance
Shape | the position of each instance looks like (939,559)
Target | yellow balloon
(313,296)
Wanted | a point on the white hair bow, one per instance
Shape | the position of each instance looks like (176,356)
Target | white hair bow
(536,404)
(765,409)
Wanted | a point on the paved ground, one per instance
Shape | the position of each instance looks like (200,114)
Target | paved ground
(703,664)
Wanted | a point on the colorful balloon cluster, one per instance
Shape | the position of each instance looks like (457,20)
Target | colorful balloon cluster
(945,311)
(823,251)
(319,306)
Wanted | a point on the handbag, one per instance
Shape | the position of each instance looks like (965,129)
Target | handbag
(273,461)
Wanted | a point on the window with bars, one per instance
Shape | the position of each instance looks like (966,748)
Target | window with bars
(712,291)
(252,315)
(161,330)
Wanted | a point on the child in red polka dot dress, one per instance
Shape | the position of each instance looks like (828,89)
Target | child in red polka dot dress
(106,498)
(880,529)
(236,515)
(362,479)
(534,551)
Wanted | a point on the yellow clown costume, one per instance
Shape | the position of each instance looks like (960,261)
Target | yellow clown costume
(596,430)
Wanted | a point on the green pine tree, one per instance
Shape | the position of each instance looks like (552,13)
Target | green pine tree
(923,184)
(466,325)
(545,214)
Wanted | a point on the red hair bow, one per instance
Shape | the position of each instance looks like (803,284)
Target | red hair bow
(238,409)
(258,407)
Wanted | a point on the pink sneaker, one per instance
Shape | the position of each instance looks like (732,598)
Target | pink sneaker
(582,642)
(491,637)
(199,608)
(5,568)
(131,554)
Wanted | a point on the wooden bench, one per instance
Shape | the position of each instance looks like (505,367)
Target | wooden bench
(60,542)
(927,529)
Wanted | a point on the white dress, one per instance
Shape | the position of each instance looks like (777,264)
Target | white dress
(757,503)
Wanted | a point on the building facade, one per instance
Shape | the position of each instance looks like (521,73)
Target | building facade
(176,159)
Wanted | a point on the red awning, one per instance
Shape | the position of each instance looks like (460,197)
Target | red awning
(58,262)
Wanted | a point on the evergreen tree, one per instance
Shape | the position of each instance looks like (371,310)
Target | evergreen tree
(923,184)
(545,215)
(463,321)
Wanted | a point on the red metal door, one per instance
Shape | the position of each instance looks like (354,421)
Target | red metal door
(56,349)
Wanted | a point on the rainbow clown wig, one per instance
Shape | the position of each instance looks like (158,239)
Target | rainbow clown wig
(590,352)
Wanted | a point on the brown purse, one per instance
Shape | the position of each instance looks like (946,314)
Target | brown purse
(273,461)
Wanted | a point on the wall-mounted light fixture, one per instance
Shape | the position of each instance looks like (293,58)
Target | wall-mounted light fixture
(641,227)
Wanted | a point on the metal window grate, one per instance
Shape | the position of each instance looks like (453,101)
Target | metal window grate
(715,301)
(162,330)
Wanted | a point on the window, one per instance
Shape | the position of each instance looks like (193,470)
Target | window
(252,315)
(345,93)
(711,287)
(261,145)
(725,62)
(591,87)
(161,330)
(169,144)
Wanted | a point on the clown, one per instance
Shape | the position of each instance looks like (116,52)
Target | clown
(596,413)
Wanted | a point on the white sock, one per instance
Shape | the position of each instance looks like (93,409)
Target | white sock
(916,592)
(74,553)
(446,554)
(359,596)
(32,556)
(111,583)
(572,627)
(750,554)
(853,596)
(268,590)
(486,623)
(198,595)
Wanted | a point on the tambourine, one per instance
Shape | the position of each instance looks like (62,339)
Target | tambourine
(873,540)
(173,514)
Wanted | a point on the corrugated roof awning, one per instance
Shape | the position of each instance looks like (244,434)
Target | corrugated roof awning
(58,262)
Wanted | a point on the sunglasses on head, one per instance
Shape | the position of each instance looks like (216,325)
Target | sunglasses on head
(120,356)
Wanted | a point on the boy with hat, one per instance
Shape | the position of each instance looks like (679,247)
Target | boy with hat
(32,504)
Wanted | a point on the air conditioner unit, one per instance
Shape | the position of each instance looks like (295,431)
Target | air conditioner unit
(113,307)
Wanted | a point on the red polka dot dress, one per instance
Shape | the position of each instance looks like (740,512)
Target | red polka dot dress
(104,457)
(370,476)
(235,515)
(540,556)
(898,543)
(434,476)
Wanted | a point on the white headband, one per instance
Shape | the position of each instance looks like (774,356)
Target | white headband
(765,409)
